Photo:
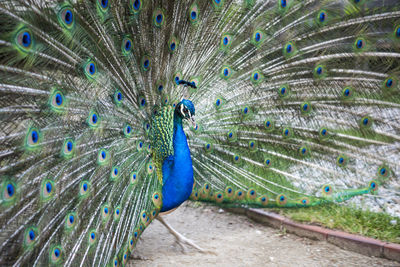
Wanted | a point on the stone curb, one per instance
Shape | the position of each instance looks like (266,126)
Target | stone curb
(360,244)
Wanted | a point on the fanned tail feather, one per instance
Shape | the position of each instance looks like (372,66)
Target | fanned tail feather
(297,104)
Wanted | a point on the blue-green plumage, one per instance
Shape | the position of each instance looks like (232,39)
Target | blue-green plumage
(177,169)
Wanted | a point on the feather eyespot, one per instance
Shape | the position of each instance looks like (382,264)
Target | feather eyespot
(304,201)
(229,191)
(324,133)
(390,84)
(66,17)
(219,197)
(226,72)
(347,93)
(208,147)
(373,185)
(263,200)
(90,70)
(126,46)
(56,254)
(93,120)
(194,14)
(219,102)
(251,194)
(283,91)
(287,132)
(226,41)
(68,148)
(231,136)
(125,257)
(136,5)
(253,146)
(322,16)
(105,212)
(239,195)
(158,18)
(145,219)
(117,213)
(157,201)
(115,173)
(269,125)
(150,168)
(289,50)
(84,188)
(139,145)
(57,101)
(256,77)
(127,131)
(103,4)
(206,188)
(304,151)
(103,157)
(146,63)
(9,191)
(118,97)
(131,243)
(327,190)
(47,190)
(236,158)
(24,39)
(341,160)
(32,139)
(366,122)
(384,171)
(360,44)
(92,237)
(173,44)
(319,72)
(268,162)
(70,221)
(133,177)
(281,200)
(257,38)
(305,108)
(30,237)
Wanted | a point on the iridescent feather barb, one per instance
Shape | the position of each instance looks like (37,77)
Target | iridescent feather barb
(297,104)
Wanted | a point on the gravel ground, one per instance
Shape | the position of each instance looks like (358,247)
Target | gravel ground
(236,241)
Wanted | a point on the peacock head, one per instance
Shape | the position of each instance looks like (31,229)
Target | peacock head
(185,110)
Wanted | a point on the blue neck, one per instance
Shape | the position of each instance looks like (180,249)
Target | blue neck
(177,170)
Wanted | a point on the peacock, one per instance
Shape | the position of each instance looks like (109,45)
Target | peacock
(115,112)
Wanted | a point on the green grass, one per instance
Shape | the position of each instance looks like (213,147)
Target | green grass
(348,219)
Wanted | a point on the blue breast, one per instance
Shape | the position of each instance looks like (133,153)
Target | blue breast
(177,171)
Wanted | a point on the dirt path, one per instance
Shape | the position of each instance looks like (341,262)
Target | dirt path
(237,241)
